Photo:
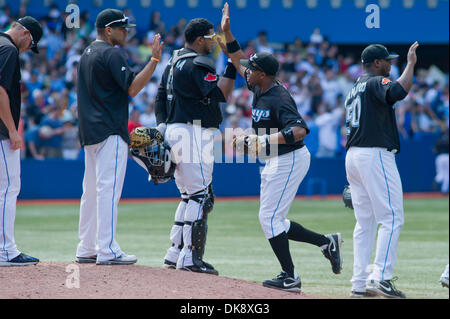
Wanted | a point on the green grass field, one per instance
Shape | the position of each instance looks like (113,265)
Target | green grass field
(237,247)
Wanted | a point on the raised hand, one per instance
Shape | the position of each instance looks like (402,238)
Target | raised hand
(225,23)
(157,47)
(412,57)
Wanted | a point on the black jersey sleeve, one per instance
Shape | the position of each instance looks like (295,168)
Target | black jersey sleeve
(207,81)
(119,68)
(288,116)
(8,61)
(161,99)
(380,87)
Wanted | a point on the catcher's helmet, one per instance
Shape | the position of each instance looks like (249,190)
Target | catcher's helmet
(156,160)
(347,197)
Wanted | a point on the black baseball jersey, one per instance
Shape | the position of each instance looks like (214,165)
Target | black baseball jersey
(370,118)
(10,79)
(195,93)
(104,77)
(273,111)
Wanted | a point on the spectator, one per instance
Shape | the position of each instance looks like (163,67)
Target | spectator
(52,130)
(34,142)
(331,88)
(156,24)
(316,38)
(261,43)
(148,118)
(133,122)
(328,123)
(70,143)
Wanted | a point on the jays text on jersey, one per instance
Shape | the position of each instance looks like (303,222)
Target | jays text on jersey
(273,111)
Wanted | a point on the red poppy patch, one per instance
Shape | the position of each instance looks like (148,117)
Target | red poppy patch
(210,77)
(385,81)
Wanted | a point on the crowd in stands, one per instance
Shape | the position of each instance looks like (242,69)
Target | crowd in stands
(316,73)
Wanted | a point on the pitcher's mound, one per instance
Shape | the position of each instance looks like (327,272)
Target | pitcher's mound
(71,280)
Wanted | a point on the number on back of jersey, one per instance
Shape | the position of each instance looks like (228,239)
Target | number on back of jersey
(352,113)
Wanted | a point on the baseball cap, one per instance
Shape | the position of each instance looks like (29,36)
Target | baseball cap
(262,61)
(32,25)
(376,52)
(112,18)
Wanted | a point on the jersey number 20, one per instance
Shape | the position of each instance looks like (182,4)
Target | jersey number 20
(353,113)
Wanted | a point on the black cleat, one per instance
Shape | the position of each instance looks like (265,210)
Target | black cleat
(21,260)
(361,294)
(333,252)
(284,282)
(385,288)
(204,268)
(86,260)
(169,264)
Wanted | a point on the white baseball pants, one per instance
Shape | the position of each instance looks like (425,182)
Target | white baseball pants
(377,198)
(105,166)
(9,190)
(192,149)
(280,180)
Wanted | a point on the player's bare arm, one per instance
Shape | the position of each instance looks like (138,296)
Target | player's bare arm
(405,80)
(6,117)
(235,56)
(145,75)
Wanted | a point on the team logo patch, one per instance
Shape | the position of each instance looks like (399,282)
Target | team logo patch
(210,77)
(258,115)
(385,81)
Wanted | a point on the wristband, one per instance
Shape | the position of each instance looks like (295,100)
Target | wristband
(288,135)
(155,59)
(230,71)
(233,47)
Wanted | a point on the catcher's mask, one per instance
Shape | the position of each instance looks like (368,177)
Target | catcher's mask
(156,160)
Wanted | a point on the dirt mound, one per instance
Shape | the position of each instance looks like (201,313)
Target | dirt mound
(50,280)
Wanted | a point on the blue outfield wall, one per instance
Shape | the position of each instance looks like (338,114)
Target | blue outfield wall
(59,179)
(286,19)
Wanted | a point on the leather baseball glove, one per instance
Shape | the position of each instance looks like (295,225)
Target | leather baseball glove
(144,136)
(250,144)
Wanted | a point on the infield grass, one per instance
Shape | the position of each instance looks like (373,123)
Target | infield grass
(237,247)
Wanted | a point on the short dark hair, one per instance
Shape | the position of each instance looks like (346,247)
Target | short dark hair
(101,32)
(197,28)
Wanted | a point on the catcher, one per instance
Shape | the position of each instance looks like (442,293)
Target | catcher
(288,159)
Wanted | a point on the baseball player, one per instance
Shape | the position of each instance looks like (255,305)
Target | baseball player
(278,123)
(376,188)
(187,110)
(105,83)
(23,35)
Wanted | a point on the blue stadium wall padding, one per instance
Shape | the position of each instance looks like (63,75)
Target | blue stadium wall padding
(346,24)
(59,179)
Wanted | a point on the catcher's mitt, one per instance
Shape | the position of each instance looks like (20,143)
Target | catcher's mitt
(250,144)
(347,197)
(144,136)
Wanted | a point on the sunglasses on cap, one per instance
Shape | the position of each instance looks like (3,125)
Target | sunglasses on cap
(123,20)
(254,64)
(210,36)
